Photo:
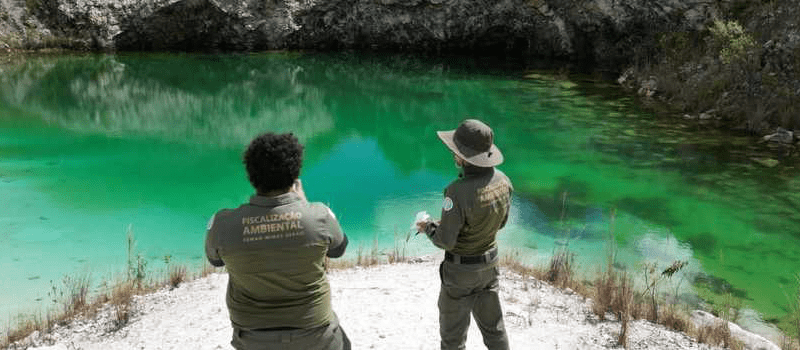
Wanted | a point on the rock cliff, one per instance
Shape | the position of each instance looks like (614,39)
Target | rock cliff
(593,31)
(667,49)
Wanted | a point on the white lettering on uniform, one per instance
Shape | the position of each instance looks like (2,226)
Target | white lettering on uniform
(273,230)
(264,219)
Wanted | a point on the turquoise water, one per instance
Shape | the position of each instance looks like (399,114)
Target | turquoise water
(93,147)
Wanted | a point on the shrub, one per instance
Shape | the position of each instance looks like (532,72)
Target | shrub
(732,41)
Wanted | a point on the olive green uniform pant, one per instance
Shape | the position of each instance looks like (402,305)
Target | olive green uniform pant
(330,337)
(470,289)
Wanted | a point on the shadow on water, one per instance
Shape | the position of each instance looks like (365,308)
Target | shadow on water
(704,242)
(720,286)
(655,209)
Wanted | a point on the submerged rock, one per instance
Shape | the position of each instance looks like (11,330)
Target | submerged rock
(781,135)
(767,162)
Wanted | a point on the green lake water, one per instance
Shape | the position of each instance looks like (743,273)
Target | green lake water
(93,147)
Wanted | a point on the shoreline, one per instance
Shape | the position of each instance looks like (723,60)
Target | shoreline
(401,301)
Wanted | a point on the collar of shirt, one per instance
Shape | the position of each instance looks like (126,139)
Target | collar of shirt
(274,201)
(472,171)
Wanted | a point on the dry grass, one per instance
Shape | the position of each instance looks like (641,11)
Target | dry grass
(25,327)
(121,298)
(398,252)
(674,318)
(718,334)
(788,343)
(613,292)
(177,275)
(560,271)
(72,294)
(368,259)
(73,300)
(372,257)
(208,269)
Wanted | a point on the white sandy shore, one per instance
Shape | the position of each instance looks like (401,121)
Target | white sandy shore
(380,307)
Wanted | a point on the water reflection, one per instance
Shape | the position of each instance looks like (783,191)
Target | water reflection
(104,141)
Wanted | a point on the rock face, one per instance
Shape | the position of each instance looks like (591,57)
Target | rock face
(596,31)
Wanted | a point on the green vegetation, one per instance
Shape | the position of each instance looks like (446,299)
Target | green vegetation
(732,41)
(33,6)
(738,75)
(137,265)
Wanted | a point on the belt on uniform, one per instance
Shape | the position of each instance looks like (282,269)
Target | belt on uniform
(275,329)
(471,259)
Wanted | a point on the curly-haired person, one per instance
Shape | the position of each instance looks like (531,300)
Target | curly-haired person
(274,249)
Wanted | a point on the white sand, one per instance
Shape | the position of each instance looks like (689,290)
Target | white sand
(381,307)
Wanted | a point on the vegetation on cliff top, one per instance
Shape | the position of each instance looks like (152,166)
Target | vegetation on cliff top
(743,71)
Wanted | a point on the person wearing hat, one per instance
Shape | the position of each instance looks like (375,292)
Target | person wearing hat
(475,207)
(274,248)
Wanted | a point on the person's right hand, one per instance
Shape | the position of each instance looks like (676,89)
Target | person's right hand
(421,226)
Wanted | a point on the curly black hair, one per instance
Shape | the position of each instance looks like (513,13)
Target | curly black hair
(273,161)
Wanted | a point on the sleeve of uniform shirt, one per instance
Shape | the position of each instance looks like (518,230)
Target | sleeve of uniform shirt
(445,234)
(338,238)
(212,252)
(510,191)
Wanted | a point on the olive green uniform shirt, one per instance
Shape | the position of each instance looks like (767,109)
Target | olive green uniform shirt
(475,207)
(274,250)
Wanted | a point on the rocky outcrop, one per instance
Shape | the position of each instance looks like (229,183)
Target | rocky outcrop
(745,69)
(599,31)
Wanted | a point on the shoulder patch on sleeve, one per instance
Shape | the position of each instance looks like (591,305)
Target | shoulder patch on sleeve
(447,204)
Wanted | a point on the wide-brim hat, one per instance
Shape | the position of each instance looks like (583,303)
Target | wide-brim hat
(473,141)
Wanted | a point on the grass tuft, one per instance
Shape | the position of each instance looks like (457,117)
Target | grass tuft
(561,271)
(26,326)
(121,299)
(177,275)
(676,319)
(718,334)
(613,292)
